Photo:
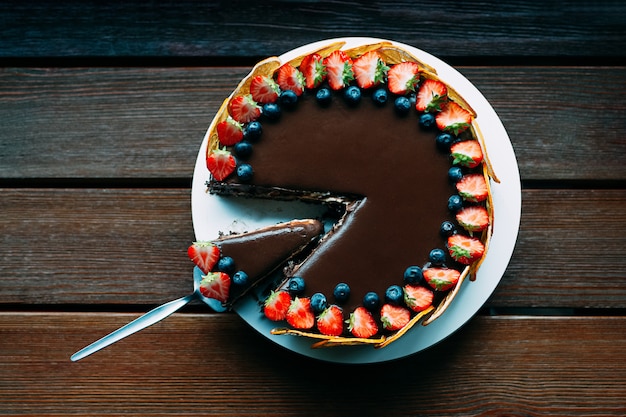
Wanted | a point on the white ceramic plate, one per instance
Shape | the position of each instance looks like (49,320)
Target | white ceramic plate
(213,214)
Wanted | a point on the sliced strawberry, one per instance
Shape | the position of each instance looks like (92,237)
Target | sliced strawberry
(467,153)
(362,323)
(330,321)
(417,297)
(403,77)
(220,163)
(338,70)
(431,95)
(441,279)
(369,70)
(215,285)
(244,109)
(394,317)
(264,90)
(473,187)
(276,305)
(229,131)
(453,118)
(204,254)
(473,218)
(289,77)
(300,314)
(313,69)
(465,249)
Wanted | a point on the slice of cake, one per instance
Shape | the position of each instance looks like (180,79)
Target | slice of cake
(396,156)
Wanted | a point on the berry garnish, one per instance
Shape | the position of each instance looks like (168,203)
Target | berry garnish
(245,172)
(272,111)
(369,69)
(465,249)
(455,174)
(263,89)
(417,297)
(394,317)
(243,149)
(467,153)
(229,131)
(330,321)
(253,131)
(338,70)
(403,77)
(240,278)
(288,100)
(473,187)
(426,120)
(455,203)
(323,97)
(447,229)
(441,279)
(215,285)
(362,323)
(402,105)
(276,305)
(290,78)
(341,292)
(204,254)
(313,70)
(430,96)
(394,294)
(437,256)
(413,275)
(220,163)
(244,109)
(380,97)
(318,302)
(443,141)
(473,218)
(352,95)
(296,285)
(453,118)
(300,315)
(226,264)
(371,301)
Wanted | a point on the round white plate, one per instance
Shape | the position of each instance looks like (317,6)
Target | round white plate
(213,214)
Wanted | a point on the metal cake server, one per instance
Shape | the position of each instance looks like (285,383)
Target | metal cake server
(151,317)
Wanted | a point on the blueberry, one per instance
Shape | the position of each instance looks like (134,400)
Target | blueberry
(413,275)
(288,99)
(240,278)
(341,292)
(318,302)
(444,141)
(437,256)
(226,264)
(426,120)
(271,111)
(447,229)
(352,95)
(394,294)
(454,173)
(252,132)
(323,97)
(380,97)
(455,203)
(402,106)
(371,301)
(244,172)
(295,285)
(243,149)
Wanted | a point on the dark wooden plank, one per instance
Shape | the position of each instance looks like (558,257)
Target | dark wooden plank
(252,28)
(71,122)
(216,365)
(119,246)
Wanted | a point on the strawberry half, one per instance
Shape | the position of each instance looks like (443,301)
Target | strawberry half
(338,70)
(276,305)
(330,321)
(467,153)
(264,90)
(453,118)
(313,69)
(369,70)
(289,78)
(418,298)
(215,285)
(473,187)
(473,218)
(220,163)
(465,249)
(362,323)
(431,95)
(229,131)
(403,77)
(204,254)
(394,317)
(244,109)
(300,314)
(441,279)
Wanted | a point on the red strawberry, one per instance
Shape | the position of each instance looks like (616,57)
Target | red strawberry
(453,118)
(300,314)
(338,70)
(403,77)
(473,187)
(229,131)
(473,218)
(465,249)
(244,109)
(467,153)
(369,70)
(220,163)
(431,95)
(312,67)
(215,285)
(289,78)
(204,254)
(418,298)
(264,90)
(330,321)
(276,305)
(394,317)
(441,279)
(362,323)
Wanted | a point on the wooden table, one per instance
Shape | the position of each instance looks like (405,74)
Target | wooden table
(102,110)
